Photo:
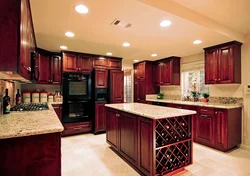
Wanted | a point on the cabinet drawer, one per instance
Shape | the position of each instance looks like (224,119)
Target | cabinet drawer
(77,128)
(205,110)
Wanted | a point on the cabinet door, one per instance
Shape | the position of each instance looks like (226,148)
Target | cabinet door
(141,70)
(84,63)
(145,145)
(69,62)
(44,67)
(128,137)
(116,86)
(112,128)
(220,129)
(114,64)
(100,117)
(211,66)
(157,73)
(56,69)
(166,72)
(205,129)
(141,91)
(100,62)
(225,65)
(136,91)
(101,78)
(136,71)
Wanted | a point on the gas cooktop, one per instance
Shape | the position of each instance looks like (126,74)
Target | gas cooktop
(30,107)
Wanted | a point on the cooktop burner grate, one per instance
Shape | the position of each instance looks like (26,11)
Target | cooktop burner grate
(30,107)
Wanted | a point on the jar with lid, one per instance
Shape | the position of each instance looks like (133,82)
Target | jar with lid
(43,96)
(26,96)
(35,96)
(51,97)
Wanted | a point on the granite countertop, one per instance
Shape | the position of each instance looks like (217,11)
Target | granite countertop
(213,105)
(19,124)
(150,111)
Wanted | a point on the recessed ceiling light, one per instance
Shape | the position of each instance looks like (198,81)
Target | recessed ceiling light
(154,55)
(126,44)
(136,60)
(109,54)
(69,34)
(63,47)
(81,9)
(197,42)
(165,23)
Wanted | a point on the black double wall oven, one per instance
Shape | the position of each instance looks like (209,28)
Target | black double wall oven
(76,97)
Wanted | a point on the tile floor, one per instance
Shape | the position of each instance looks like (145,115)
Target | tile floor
(89,155)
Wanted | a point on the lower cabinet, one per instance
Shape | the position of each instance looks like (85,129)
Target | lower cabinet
(38,155)
(58,110)
(216,128)
(131,136)
(100,117)
(76,128)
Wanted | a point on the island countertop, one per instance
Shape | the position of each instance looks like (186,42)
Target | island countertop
(20,124)
(150,111)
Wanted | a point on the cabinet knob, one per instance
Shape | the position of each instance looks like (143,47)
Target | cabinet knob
(215,79)
(219,79)
(79,68)
(216,112)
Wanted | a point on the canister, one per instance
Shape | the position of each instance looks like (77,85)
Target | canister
(35,96)
(26,96)
(43,96)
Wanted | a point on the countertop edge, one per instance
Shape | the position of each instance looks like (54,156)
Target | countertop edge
(224,106)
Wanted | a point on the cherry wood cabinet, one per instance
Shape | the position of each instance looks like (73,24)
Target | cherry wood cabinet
(50,66)
(101,78)
(116,86)
(100,62)
(143,81)
(56,69)
(100,117)
(17,37)
(112,130)
(37,155)
(139,91)
(84,63)
(58,109)
(115,63)
(69,62)
(76,128)
(167,71)
(223,63)
(128,146)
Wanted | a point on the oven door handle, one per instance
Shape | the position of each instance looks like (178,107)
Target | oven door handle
(77,101)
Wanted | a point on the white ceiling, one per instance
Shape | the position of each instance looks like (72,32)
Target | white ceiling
(95,34)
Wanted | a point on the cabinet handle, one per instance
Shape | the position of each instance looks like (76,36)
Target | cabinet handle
(77,128)
(203,110)
(79,69)
(178,107)
(219,79)
(216,112)
(203,116)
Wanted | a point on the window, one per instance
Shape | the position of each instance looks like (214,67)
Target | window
(127,86)
(194,81)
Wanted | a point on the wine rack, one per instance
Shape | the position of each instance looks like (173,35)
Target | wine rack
(173,142)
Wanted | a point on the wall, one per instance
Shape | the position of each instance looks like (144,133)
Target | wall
(227,90)
(49,88)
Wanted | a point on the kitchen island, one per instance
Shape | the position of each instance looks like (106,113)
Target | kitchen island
(30,143)
(153,140)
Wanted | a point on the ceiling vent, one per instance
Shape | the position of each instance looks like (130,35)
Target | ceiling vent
(120,23)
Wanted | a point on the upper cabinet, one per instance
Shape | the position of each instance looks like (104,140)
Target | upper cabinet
(167,71)
(17,37)
(114,63)
(223,63)
(50,66)
(139,70)
(101,78)
(100,62)
(117,88)
(80,62)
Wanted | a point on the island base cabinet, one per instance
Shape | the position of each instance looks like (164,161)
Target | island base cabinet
(38,155)
(136,139)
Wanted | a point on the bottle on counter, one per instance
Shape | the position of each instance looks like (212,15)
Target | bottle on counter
(35,96)
(6,103)
(26,96)
(43,96)
(18,97)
